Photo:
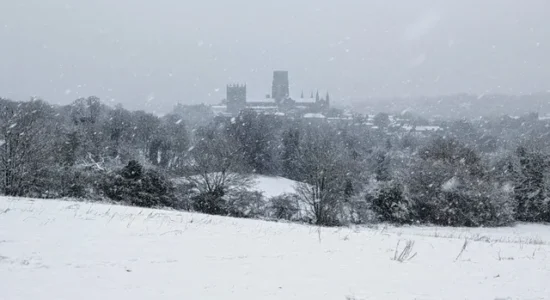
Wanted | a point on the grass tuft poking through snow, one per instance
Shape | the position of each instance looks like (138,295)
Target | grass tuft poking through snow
(404,254)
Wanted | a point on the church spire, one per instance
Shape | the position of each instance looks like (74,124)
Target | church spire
(317,97)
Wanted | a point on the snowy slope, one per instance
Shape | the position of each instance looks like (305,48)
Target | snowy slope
(270,186)
(64,250)
(273,186)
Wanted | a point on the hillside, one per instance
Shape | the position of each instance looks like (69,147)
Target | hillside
(273,186)
(68,250)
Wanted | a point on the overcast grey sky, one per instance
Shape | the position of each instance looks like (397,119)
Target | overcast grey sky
(152,54)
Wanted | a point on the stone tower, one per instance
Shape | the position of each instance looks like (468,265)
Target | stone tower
(280,88)
(236,98)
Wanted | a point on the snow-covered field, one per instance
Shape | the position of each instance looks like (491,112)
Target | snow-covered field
(273,186)
(269,186)
(68,250)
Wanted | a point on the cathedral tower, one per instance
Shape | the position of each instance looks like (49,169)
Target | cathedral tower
(280,88)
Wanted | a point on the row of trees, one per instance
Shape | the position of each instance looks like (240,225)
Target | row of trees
(487,172)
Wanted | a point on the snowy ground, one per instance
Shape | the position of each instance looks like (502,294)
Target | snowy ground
(273,186)
(269,186)
(65,250)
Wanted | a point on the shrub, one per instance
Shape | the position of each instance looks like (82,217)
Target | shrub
(246,204)
(210,202)
(136,186)
(284,207)
(388,202)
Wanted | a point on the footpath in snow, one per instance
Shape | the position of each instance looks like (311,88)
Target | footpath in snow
(54,250)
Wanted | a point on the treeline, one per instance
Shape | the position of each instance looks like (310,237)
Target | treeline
(486,172)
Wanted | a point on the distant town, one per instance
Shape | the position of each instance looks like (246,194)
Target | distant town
(314,107)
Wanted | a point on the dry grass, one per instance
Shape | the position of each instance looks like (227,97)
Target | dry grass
(404,254)
(486,239)
(462,250)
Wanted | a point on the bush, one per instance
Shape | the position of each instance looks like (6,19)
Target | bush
(246,204)
(459,200)
(210,202)
(64,181)
(136,186)
(284,207)
(389,204)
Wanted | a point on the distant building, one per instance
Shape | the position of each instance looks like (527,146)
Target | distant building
(236,98)
(280,89)
(279,101)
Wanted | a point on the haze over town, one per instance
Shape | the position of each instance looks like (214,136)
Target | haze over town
(151,55)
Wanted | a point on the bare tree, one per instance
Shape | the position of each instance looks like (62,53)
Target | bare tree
(215,166)
(321,164)
(25,148)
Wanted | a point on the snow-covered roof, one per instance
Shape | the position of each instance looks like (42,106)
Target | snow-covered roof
(421,128)
(304,100)
(219,109)
(428,128)
(339,119)
(262,107)
(261,100)
(348,114)
(314,116)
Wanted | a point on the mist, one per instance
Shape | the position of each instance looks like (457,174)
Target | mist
(151,55)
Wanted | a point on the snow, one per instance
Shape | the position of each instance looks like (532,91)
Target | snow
(418,61)
(450,185)
(273,186)
(262,107)
(304,100)
(261,100)
(422,26)
(219,109)
(75,250)
(269,186)
(314,116)
(427,128)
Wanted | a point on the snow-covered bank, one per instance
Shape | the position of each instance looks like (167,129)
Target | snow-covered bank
(273,186)
(63,250)
(269,186)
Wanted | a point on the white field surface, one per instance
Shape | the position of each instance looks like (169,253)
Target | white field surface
(273,186)
(269,186)
(75,250)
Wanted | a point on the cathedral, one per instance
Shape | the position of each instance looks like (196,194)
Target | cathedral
(278,102)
